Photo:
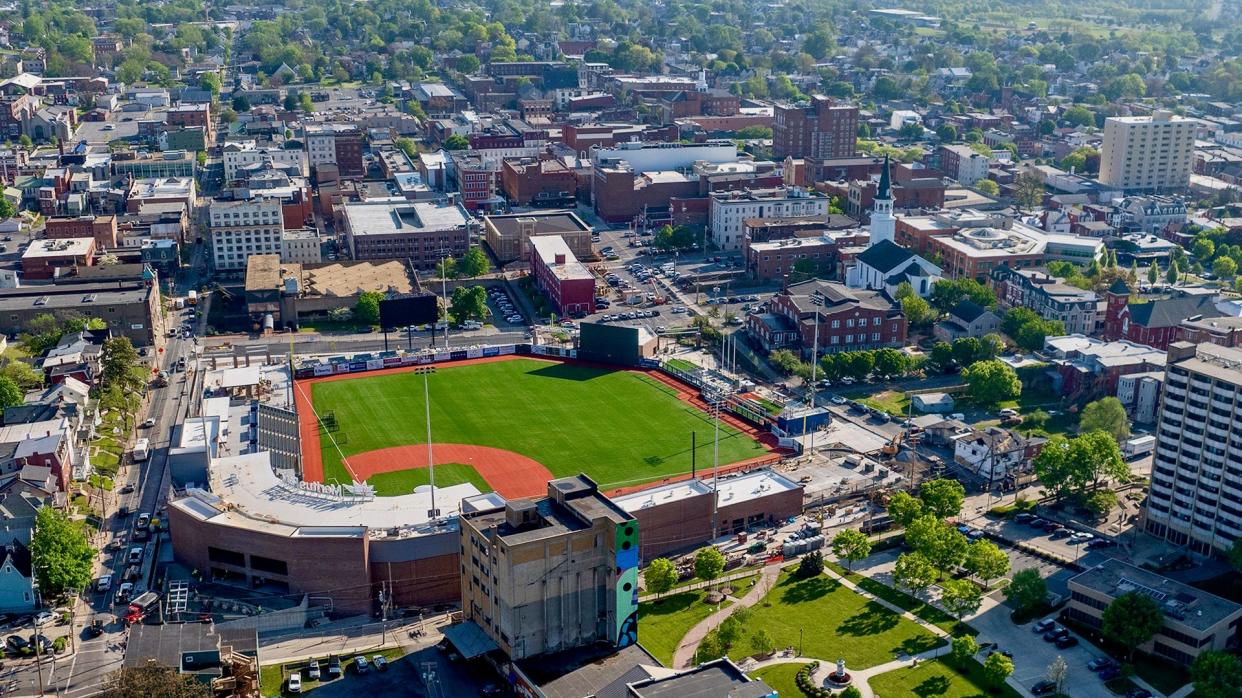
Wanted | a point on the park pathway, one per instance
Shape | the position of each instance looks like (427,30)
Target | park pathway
(860,676)
(684,656)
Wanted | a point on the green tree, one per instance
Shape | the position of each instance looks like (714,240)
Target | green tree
(761,643)
(22,373)
(709,562)
(1098,452)
(918,311)
(1100,502)
(118,361)
(1054,467)
(1153,273)
(890,362)
(24,141)
(990,382)
(905,508)
(938,542)
(942,497)
(468,303)
(1106,415)
(7,209)
(964,649)
(367,307)
(785,361)
(1173,273)
(946,133)
(1027,590)
(60,553)
(941,355)
(986,561)
(1078,115)
(729,631)
(1224,268)
(913,572)
(851,545)
(446,268)
(996,668)
(987,187)
(660,575)
(153,679)
(710,648)
(811,565)
(960,597)
(1234,554)
(1203,249)
(456,142)
(407,146)
(468,64)
(1216,674)
(473,263)
(947,293)
(10,393)
(1131,620)
(240,103)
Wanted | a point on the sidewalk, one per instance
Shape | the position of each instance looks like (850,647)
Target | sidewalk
(684,655)
(352,639)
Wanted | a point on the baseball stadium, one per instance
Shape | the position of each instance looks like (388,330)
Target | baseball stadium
(511,423)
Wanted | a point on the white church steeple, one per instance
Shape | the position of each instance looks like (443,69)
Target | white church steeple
(883,225)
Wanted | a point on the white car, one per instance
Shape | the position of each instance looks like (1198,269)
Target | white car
(838,400)
(42,618)
(104,583)
(295,682)
(380,662)
(312,671)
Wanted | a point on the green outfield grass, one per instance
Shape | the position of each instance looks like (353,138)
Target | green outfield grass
(618,427)
(447,474)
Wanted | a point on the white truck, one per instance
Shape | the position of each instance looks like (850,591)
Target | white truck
(1138,446)
(142,449)
(192,297)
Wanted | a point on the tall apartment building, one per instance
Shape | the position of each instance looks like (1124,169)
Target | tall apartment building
(822,129)
(1147,152)
(1196,478)
(554,573)
(239,229)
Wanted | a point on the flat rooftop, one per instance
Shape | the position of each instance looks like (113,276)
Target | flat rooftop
(664,494)
(548,247)
(509,225)
(349,278)
(59,247)
(396,215)
(1182,604)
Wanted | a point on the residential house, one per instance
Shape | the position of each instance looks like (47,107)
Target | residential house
(967,319)
(995,453)
(17,582)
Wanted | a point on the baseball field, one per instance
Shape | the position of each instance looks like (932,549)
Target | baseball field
(516,421)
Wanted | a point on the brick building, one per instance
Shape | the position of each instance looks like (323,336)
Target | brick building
(621,193)
(822,128)
(102,228)
(538,181)
(191,115)
(508,235)
(849,319)
(394,228)
(569,285)
(678,516)
(43,258)
(1154,321)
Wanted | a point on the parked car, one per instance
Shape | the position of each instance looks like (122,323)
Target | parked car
(1023,517)
(42,618)
(1100,543)
(1044,687)
(1061,533)
(41,643)
(360,664)
(334,667)
(15,643)
(1067,641)
(135,554)
(123,592)
(1109,673)
(1100,662)
(312,670)
(295,682)
(380,662)
(1056,633)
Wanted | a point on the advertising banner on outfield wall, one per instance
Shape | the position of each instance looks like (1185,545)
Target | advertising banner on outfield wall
(508,349)
(474,352)
(323,369)
(491,351)
(457,355)
(392,361)
(355,366)
(538,350)
(443,356)
(375,364)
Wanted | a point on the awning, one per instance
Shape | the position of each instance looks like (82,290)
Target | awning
(469,639)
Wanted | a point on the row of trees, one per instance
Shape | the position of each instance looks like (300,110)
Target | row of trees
(1078,467)
(1028,330)
(858,365)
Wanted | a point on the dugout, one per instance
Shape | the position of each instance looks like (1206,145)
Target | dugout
(615,344)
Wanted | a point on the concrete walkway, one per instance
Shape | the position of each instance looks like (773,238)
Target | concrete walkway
(859,676)
(684,655)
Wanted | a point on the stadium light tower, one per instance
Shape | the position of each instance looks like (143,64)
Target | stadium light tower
(431,462)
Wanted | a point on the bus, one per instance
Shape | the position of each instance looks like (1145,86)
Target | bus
(142,449)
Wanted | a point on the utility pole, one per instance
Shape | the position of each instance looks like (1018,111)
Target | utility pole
(817,300)
(431,462)
(717,399)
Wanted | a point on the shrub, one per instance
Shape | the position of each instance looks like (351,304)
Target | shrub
(58,645)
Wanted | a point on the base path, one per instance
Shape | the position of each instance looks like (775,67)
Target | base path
(512,475)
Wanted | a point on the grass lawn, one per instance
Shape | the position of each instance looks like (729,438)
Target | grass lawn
(681,365)
(901,599)
(934,679)
(662,623)
(447,475)
(833,621)
(272,676)
(619,427)
(780,678)
(890,401)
